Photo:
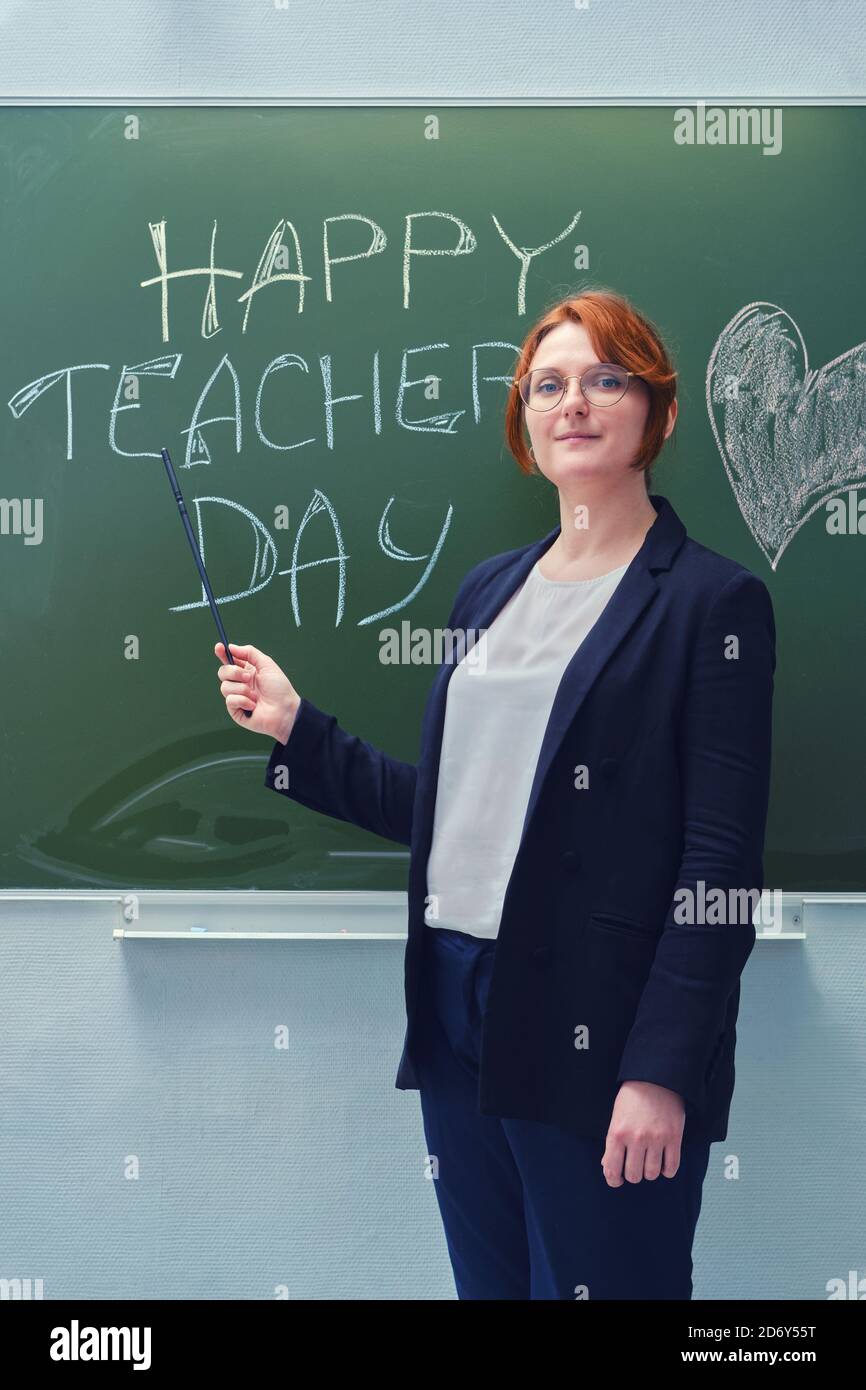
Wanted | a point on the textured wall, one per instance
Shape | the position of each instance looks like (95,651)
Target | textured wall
(375,49)
(303,1167)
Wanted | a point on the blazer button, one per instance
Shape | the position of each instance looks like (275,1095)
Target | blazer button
(541,955)
(571,860)
(609,767)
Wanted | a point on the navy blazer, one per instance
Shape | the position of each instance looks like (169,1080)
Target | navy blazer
(597,979)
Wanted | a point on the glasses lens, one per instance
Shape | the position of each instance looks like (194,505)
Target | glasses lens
(605,384)
(541,389)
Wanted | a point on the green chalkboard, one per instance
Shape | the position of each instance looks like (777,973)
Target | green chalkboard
(294,414)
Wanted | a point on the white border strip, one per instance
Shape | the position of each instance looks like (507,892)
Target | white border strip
(228,915)
(333,915)
(123,101)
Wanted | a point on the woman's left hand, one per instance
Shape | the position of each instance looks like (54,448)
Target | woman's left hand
(645,1133)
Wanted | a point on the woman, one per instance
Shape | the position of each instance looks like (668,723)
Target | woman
(586,822)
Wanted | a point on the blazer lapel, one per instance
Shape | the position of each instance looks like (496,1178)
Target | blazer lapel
(633,594)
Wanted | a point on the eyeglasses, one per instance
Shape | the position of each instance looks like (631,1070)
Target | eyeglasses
(544,388)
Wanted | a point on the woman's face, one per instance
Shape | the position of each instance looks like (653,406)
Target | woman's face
(615,432)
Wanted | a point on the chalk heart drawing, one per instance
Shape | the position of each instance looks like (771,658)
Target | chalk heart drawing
(789,437)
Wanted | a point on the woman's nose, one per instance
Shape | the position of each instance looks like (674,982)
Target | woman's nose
(573,396)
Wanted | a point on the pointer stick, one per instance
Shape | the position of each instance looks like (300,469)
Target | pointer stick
(184,516)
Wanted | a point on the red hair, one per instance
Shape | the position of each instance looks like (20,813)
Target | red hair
(619,334)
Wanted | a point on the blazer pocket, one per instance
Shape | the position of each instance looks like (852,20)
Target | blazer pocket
(624,926)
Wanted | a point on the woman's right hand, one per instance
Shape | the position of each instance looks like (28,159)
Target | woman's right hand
(250,680)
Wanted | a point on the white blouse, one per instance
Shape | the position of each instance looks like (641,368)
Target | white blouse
(497,707)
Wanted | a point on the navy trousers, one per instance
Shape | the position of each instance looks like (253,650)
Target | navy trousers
(526,1209)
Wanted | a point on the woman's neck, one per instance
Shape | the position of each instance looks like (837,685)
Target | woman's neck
(586,553)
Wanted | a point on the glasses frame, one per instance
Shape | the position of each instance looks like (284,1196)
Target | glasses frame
(575,376)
